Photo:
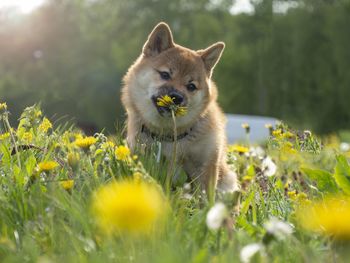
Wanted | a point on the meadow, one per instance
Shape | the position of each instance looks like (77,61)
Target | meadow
(68,197)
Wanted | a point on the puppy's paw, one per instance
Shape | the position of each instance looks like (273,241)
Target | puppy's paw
(228,183)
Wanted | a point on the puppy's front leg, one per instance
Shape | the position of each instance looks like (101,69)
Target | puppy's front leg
(209,178)
(133,129)
(203,170)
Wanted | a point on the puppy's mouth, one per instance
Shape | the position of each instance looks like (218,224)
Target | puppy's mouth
(178,101)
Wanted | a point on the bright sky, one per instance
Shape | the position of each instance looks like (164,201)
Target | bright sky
(24,6)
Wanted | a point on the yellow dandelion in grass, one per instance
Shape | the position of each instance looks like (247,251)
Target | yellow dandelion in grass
(122,153)
(107,145)
(288,135)
(129,206)
(238,148)
(47,166)
(85,142)
(277,133)
(330,216)
(168,102)
(287,148)
(27,137)
(67,184)
(45,125)
(4,136)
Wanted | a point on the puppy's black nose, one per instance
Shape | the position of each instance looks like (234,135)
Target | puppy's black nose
(177,98)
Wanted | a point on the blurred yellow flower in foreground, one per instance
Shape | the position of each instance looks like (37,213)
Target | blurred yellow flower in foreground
(330,216)
(47,166)
(122,153)
(129,206)
(45,125)
(238,148)
(85,142)
(67,184)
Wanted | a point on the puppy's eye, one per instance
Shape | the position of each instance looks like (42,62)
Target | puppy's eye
(164,75)
(191,87)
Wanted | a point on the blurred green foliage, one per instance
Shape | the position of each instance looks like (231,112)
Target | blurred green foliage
(72,54)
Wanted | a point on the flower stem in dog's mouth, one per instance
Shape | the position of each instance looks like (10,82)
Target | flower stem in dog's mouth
(168,102)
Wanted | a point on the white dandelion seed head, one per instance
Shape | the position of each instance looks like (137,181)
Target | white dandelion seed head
(249,251)
(216,216)
(256,152)
(269,168)
(278,228)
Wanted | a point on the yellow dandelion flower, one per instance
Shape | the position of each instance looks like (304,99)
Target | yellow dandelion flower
(180,111)
(128,207)
(287,148)
(107,145)
(122,153)
(77,136)
(330,216)
(47,166)
(238,148)
(165,101)
(168,102)
(3,107)
(45,125)
(67,184)
(85,142)
(288,135)
(277,133)
(27,137)
(4,136)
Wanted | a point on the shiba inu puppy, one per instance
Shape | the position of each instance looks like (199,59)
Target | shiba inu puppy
(165,68)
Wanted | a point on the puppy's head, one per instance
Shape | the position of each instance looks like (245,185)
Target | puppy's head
(165,68)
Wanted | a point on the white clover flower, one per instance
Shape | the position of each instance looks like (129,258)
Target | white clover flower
(249,251)
(269,168)
(344,146)
(216,216)
(278,228)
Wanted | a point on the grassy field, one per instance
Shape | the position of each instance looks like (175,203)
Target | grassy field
(65,197)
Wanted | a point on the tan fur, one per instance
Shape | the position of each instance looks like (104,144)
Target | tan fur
(202,152)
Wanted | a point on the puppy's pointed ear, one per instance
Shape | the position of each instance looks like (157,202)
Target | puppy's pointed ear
(159,40)
(211,56)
